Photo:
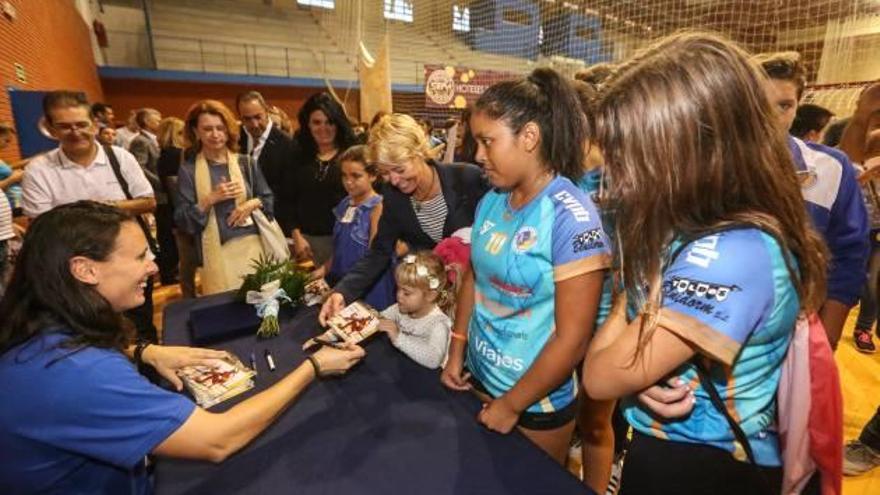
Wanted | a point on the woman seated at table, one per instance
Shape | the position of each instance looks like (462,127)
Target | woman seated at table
(83,419)
(423,202)
(218,190)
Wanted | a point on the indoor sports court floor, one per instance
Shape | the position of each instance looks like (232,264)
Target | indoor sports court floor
(860,380)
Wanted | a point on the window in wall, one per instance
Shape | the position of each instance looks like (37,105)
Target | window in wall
(461,18)
(324,4)
(586,33)
(399,10)
(516,16)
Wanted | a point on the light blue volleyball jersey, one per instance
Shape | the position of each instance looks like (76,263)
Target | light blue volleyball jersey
(590,183)
(518,256)
(731,296)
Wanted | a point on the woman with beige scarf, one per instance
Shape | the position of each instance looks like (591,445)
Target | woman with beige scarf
(219,190)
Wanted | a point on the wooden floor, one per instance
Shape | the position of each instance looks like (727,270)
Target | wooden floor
(860,380)
(859,376)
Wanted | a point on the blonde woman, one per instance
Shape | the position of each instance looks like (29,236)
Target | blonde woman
(178,251)
(171,145)
(423,202)
(218,192)
(281,119)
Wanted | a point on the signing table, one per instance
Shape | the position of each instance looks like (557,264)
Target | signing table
(387,427)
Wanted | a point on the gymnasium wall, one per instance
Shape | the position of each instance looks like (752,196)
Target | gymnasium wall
(173,98)
(51,42)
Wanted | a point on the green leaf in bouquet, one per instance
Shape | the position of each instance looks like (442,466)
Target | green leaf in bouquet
(267,269)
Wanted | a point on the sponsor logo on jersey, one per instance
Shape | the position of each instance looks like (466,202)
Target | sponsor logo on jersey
(702,252)
(575,207)
(495,243)
(510,289)
(500,309)
(486,227)
(496,357)
(524,239)
(698,288)
(807,178)
(586,240)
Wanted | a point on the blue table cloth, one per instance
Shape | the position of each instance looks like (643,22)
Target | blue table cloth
(388,427)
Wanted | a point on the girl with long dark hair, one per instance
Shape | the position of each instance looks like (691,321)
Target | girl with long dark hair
(717,258)
(526,308)
(77,417)
(312,186)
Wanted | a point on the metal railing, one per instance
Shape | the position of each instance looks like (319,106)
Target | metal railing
(173,52)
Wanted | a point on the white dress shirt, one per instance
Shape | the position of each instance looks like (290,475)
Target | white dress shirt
(6,230)
(124,136)
(255,146)
(52,179)
(152,137)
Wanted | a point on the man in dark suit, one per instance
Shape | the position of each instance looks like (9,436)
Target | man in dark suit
(145,145)
(146,150)
(270,148)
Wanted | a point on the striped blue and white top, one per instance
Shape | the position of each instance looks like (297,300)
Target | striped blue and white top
(431,215)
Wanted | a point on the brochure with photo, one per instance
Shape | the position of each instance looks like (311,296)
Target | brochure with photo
(211,385)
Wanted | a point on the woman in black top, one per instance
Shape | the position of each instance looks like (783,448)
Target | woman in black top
(312,186)
(170,137)
(423,202)
(182,256)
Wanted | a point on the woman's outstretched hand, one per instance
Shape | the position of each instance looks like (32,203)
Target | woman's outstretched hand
(332,306)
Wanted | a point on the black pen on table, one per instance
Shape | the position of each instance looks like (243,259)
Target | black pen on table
(269,359)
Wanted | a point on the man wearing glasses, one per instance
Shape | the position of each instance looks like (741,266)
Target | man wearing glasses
(81,169)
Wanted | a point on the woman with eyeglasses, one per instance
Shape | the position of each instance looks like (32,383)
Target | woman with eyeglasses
(312,186)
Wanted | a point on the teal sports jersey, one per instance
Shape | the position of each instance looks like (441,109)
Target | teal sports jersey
(590,183)
(518,256)
(730,295)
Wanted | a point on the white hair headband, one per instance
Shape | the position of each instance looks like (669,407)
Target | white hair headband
(422,271)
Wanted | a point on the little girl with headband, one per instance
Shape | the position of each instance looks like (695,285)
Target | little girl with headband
(416,324)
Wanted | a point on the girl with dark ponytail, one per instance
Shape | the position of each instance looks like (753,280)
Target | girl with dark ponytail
(537,244)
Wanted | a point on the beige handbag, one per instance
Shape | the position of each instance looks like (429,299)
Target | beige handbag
(271,236)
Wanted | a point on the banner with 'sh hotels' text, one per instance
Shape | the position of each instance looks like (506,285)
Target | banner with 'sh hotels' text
(458,87)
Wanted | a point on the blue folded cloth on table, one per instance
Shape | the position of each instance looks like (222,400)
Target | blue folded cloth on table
(222,322)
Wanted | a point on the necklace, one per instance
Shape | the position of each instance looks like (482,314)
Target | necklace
(323,168)
(418,203)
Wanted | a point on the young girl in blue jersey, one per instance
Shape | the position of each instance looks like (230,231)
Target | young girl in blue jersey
(717,258)
(596,418)
(537,247)
(357,218)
